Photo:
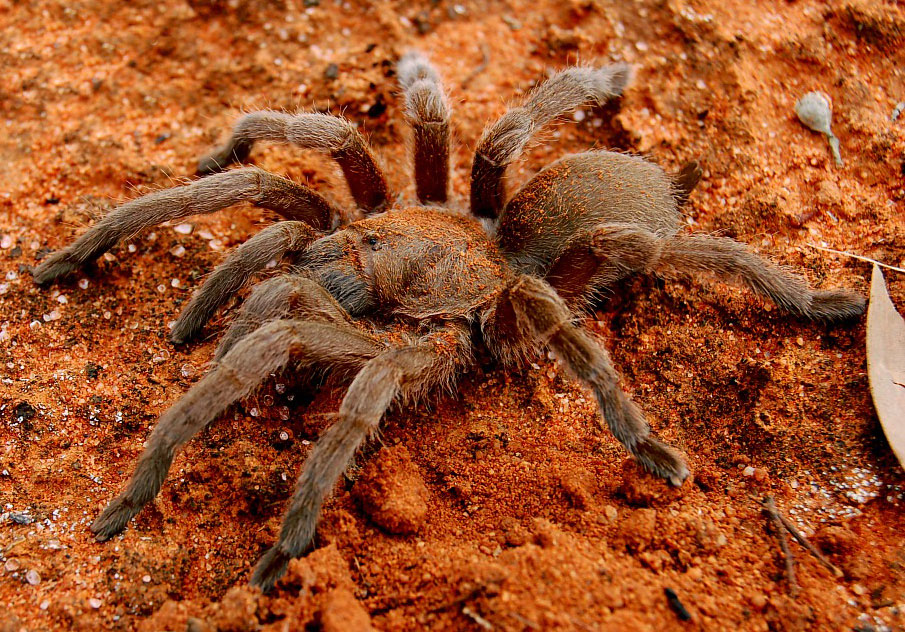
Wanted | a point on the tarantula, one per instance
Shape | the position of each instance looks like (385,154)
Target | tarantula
(398,298)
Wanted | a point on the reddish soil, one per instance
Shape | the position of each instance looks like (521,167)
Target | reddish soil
(511,509)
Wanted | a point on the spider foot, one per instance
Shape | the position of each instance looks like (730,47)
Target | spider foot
(55,266)
(270,568)
(113,519)
(185,329)
(662,460)
(236,150)
(836,305)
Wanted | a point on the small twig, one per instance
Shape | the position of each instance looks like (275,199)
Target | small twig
(803,541)
(783,543)
(485,61)
(524,621)
(474,616)
(854,256)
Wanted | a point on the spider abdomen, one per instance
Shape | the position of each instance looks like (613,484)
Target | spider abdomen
(572,197)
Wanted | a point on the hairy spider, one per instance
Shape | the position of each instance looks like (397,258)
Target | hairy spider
(511,275)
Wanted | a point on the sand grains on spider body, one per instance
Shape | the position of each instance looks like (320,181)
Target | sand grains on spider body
(512,275)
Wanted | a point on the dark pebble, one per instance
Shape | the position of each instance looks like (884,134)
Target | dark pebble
(676,605)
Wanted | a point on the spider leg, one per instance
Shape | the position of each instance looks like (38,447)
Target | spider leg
(273,242)
(428,113)
(210,195)
(504,141)
(407,372)
(545,317)
(728,259)
(592,262)
(240,372)
(311,131)
(282,297)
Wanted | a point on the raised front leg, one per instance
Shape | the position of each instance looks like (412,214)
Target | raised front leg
(238,374)
(310,131)
(428,113)
(408,372)
(504,141)
(210,195)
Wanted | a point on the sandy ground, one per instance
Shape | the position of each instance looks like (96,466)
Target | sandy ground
(535,520)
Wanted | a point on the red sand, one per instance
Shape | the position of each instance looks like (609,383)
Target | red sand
(535,519)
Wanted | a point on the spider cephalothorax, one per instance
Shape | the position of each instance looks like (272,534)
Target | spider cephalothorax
(509,274)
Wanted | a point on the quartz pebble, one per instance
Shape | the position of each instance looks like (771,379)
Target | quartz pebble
(32,577)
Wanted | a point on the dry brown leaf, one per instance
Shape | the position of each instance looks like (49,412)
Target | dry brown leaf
(886,363)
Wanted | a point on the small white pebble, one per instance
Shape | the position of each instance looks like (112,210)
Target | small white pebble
(748,471)
(161,288)
(184,229)
(6,242)
(254,412)
(45,604)
(132,248)
(178,251)
(641,46)
(579,115)
(215,244)
(62,300)
(11,565)
(83,283)
(95,603)
(205,234)
(146,579)
(11,275)
(108,315)
(4,288)
(32,577)
(175,282)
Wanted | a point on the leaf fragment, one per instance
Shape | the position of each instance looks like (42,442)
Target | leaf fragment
(886,363)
